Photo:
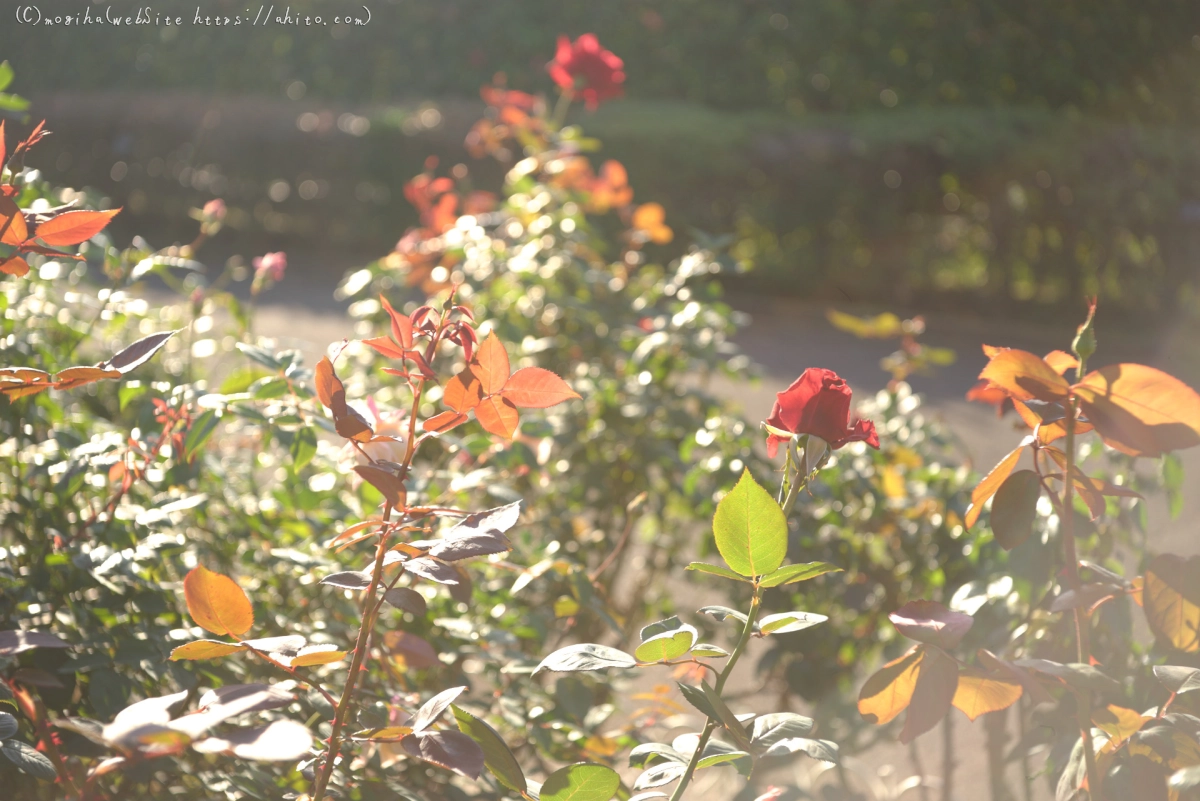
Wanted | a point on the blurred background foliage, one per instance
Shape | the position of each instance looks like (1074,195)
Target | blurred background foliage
(1002,155)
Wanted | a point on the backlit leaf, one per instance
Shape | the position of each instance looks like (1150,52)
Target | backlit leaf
(666,645)
(73,227)
(388,483)
(1015,508)
(937,684)
(536,388)
(585,656)
(788,622)
(1171,600)
(13,230)
(930,622)
(14,265)
(217,603)
(313,655)
(491,365)
(990,483)
(463,392)
(888,692)
(750,529)
(205,649)
(444,421)
(716,570)
(790,574)
(497,756)
(73,377)
(1025,377)
(328,385)
(1118,722)
(1139,410)
(498,416)
(581,782)
(979,693)
(385,734)
(402,328)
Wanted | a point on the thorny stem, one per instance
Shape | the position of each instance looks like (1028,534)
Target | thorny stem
(292,672)
(711,725)
(360,652)
(370,607)
(1082,625)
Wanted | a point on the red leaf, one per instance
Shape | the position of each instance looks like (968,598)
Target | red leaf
(78,376)
(73,227)
(491,365)
(12,223)
(535,388)
(385,347)
(497,416)
(328,384)
(402,327)
(463,392)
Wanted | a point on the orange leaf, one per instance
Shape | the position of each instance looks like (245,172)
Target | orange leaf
(73,227)
(402,329)
(12,223)
(217,603)
(441,423)
(497,416)
(78,376)
(648,216)
(991,482)
(888,691)
(1171,600)
(1060,361)
(979,693)
(1025,377)
(462,392)
(14,265)
(535,388)
(1118,722)
(491,365)
(1139,410)
(937,684)
(385,347)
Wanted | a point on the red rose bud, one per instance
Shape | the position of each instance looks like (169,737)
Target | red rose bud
(817,403)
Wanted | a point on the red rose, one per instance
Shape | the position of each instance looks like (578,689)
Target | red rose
(818,403)
(586,67)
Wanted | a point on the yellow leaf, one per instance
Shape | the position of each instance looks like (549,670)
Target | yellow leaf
(1171,599)
(889,690)
(1139,410)
(217,603)
(979,693)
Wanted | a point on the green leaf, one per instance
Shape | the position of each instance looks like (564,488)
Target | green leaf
(673,623)
(770,729)
(6,75)
(1014,508)
(585,656)
(29,759)
(304,447)
(696,697)
(750,529)
(668,645)
(202,428)
(497,756)
(721,613)
(716,570)
(718,759)
(646,752)
(790,574)
(1178,680)
(824,750)
(726,716)
(708,649)
(582,781)
(787,622)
